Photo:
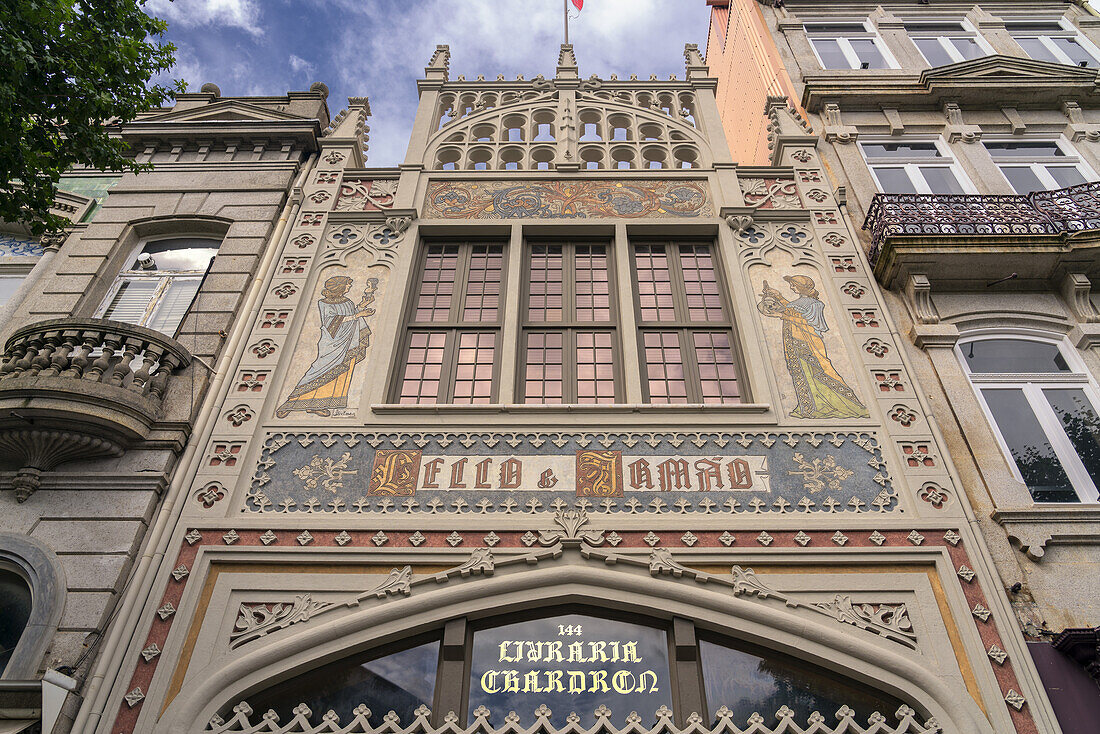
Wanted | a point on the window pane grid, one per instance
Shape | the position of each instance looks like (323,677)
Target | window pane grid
(664,367)
(543,380)
(423,368)
(704,302)
(717,372)
(474,370)
(654,283)
(546,294)
(482,301)
(437,282)
(595,368)
(593,286)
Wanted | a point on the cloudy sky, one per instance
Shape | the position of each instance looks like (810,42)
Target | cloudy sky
(378,48)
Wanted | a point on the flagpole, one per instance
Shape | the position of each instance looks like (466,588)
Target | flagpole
(565,7)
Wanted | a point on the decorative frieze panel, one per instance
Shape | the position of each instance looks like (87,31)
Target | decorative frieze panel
(366,195)
(629,199)
(516,473)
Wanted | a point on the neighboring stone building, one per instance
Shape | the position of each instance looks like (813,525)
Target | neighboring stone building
(980,125)
(117,335)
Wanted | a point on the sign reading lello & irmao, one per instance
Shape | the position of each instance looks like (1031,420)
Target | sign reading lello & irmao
(363,472)
(402,472)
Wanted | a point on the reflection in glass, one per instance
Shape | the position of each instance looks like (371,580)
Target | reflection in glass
(15,610)
(747,683)
(399,682)
(1013,355)
(1042,472)
(1022,179)
(894,180)
(1082,425)
(941,180)
(868,53)
(1066,176)
(519,667)
(832,57)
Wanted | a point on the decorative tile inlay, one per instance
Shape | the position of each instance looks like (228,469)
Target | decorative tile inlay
(726,538)
(166,611)
(764,539)
(801,538)
(997,654)
(231,537)
(965,573)
(651,538)
(877,538)
(134,697)
(150,652)
(559,199)
(1014,699)
(454,539)
(379,538)
(268,538)
(952,537)
(342,539)
(491,539)
(179,572)
(981,612)
(839,538)
(416,539)
(505,472)
(304,538)
(915,538)
(193,536)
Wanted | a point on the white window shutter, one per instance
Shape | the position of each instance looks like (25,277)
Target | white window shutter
(174,304)
(131,301)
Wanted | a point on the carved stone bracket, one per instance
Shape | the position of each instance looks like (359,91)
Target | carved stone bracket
(918,293)
(958,130)
(1033,529)
(835,130)
(1077,290)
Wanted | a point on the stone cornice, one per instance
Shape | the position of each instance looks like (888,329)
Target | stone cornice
(992,80)
(303,132)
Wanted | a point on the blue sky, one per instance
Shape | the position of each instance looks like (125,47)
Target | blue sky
(378,48)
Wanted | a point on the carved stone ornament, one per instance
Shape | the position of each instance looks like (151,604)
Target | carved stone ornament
(256,620)
(242,721)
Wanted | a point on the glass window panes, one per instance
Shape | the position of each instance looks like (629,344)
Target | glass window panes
(944,42)
(9,284)
(161,283)
(1079,420)
(1013,356)
(1037,165)
(570,662)
(1043,412)
(846,46)
(1030,448)
(400,682)
(912,168)
(747,683)
(1049,40)
(15,610)
(452,342)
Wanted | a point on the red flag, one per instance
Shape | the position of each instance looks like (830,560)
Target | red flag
(579,4)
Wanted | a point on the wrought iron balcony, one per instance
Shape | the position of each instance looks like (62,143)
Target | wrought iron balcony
(79,389)
(1074,209)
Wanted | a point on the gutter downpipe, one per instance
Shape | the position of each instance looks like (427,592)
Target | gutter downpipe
(125,626)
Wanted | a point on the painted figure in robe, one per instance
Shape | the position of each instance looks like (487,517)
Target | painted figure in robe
(820,390)
(343,341)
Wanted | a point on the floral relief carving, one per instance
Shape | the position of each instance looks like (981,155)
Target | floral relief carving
(821,474)
(326,472)
(360,195)
(257,620)
(770,193)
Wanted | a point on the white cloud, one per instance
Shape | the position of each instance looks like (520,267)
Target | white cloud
(243,14)
(300,66)
(493,37)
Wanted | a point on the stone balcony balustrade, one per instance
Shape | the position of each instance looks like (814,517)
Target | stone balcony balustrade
(76,388)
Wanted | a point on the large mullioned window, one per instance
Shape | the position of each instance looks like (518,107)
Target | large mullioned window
(452,344)
(570,340)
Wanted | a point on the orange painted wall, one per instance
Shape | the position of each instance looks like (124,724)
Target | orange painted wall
(743,56)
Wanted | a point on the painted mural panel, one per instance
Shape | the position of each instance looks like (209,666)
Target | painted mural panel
(334,344)
(630,199)
(706,472)
(807,354)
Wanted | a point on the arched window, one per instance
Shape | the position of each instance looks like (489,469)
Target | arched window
(1041,403)
(158,286)
(572,660)
(15,611)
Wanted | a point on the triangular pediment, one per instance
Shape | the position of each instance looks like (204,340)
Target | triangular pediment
(226,111)
(1008,69)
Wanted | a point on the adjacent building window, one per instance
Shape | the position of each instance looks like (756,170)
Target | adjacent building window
(158,286)
(852,45)
(914,168)
(452,343)
(1042,406)
(15,611)
(570,340)
(946,42)
(1053,40)
(9,284)
(1037,165)
(686,334)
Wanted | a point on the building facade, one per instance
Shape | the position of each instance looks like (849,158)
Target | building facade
(964,137)
(567,420)
(115,334)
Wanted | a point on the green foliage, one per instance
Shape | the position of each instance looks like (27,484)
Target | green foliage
(70,70)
